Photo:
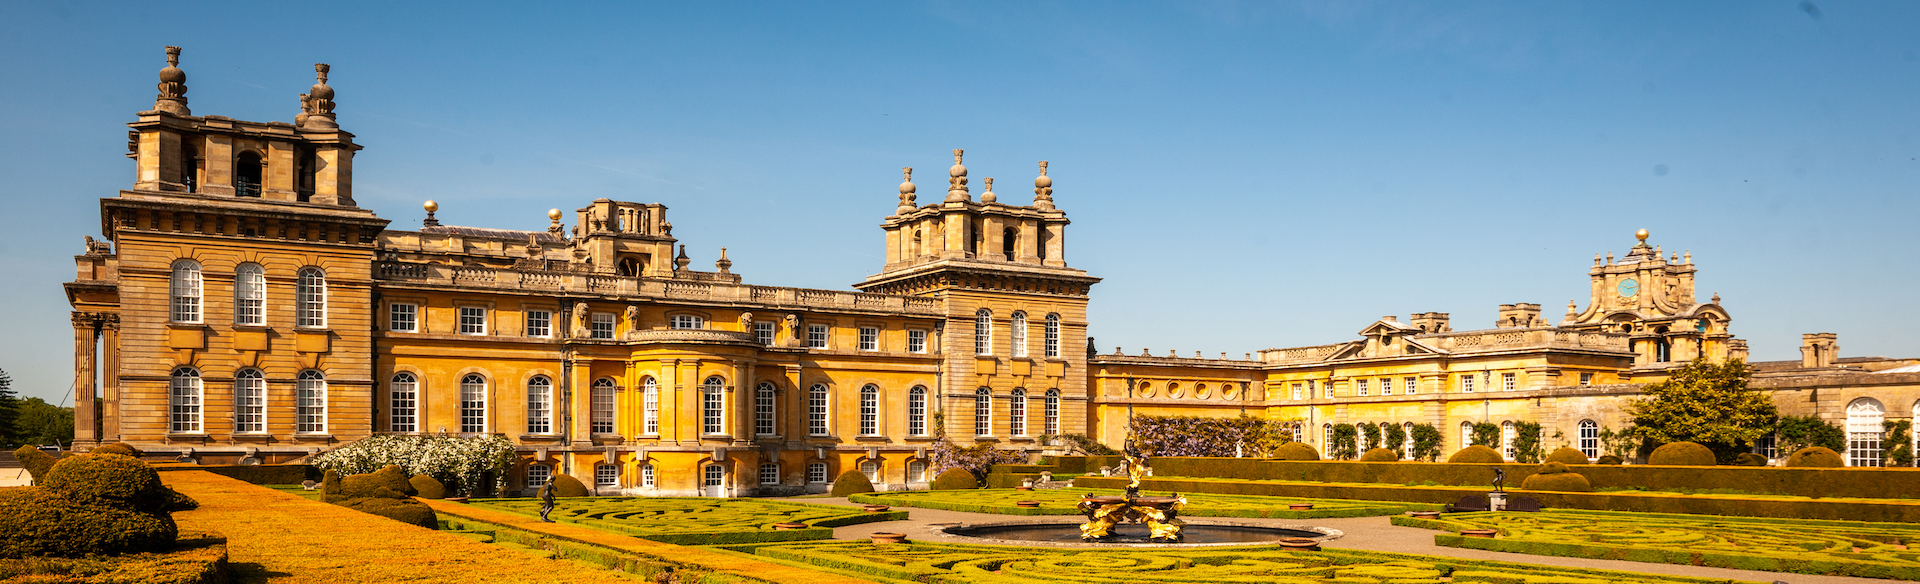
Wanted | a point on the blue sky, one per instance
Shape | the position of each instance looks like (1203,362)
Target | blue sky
(1243,175)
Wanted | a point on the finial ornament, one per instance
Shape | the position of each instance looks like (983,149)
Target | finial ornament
(907,189)
(430,206)
(317,104)
(957,180)
(988,196)
(723,263)
(683,260)
(1641,235)
(1043,189)
(554,216)
(173,86)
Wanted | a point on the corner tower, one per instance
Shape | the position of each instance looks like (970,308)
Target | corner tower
(1014,309)
(1650,298)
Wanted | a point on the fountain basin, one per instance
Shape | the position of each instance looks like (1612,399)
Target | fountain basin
(1054,533)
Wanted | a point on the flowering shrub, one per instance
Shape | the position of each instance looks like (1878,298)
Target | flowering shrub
(1195,436)
(976,460)
(457,462)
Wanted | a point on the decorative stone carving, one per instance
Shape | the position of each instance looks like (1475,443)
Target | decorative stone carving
(173,86)
(1043,189)
(907,189)
(317,104)
(957,180)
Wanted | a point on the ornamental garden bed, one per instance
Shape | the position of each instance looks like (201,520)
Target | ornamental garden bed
(976,564)
(696,520)
(194,559)
(1063,502)
(1834,548)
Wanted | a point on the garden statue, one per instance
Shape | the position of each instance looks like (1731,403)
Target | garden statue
(1161,514)
(1499,480)
(546,501)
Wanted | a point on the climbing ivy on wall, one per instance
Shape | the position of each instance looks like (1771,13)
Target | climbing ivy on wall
(1526,443)
(1899,441)
(1426,443)
(1345,442)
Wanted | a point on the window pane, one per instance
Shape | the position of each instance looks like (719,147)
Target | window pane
(817,410)
(311,402)
(650,394)
(713,406)
(539,323)
(603,400)
(983,412)
(312,298)
(184,401)
(1053,335)
(917,411)
(869,411)
(539,406)
(404,396)
(763,400)
(249,295)
(473,404)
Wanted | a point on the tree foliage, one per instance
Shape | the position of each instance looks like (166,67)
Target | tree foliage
(1426,443)
(39,422)
(1203,436)
(1344,445)
(1486,434)
(9,409)
(1797,432)
(1899,441)
(1395,437)
(1707,403)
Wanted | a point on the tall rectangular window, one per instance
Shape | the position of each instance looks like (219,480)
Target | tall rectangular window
(1053,336)
(1590,439)
(249,402)
(311,402)
(713,406)
(1466,383)
(1052,412)
(1386,386)
(817,410)
(403,317)
(1507,382)
(983,412)
(916,341)
(473,404)
(473,320)
(539,406)
(403,399)
(869,338)
(983,332)
(1017,413)
(816,336)
(311,299)
(1360,387)
(1412,386)
(1019,336)
(763,400)
(184,291)
(917,411)
(1299,391)
(539,323)
(763,332)
(249,295)
(870,411)
(603,400)
(602,326)
(650,406)
(646,476)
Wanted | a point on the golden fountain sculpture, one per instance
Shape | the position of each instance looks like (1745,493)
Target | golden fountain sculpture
(1161,514)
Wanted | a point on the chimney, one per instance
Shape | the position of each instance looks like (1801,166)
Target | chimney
(1819,350)
(1430,322)
(1518,315)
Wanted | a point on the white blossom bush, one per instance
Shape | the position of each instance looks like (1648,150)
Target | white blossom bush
(457,462)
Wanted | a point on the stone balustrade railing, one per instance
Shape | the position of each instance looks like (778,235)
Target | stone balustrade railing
(771,297)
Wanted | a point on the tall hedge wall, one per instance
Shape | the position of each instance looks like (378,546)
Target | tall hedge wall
(1805,482)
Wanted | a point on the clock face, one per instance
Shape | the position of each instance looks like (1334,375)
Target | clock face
(1629,288)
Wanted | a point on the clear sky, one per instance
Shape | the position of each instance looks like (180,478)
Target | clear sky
(1243,175)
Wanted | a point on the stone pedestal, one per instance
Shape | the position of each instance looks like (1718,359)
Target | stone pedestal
(1497,501)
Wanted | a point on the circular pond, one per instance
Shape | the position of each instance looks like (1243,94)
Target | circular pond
(1068,534)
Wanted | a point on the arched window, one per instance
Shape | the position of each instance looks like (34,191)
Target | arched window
(816,472)
(1466,434)
(917,411)
(1360,438)
(917,471)
(246,174)
(539,405)
(310,402)
(311,297)
(249,295)
(763,412)
(1009,241)
(1506,440)
(1017,412)
(403,396)
(870,410)
(1406,448)
(1590,439)
(713,406)
(1019,336)
(770,473)
(1051,420)
(183,399)
(817,410)
(983,412)
(1326,439)
(185,291)
(871,469)
(983,332)
(646,476)
(602,404)
(650,405)
(473,403)
(1864,430)
(249,402)
(1053,336)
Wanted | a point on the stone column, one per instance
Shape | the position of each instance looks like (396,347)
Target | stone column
(83,382)
(742,399)
(110,379)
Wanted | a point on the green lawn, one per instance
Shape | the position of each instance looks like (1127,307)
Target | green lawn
(696,520)
(1062,502)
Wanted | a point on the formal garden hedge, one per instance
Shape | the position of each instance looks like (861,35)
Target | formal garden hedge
(90,504)
(697,520)
(259,474)
(976,564)
(1835,548)
(1063,501)
(194,558)
(1872,483)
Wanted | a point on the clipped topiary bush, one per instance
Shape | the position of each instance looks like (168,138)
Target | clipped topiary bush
(401,510)
(1750,459)
(1476,454)
(1682,454)
(851,482)
(389,482)
(330,487)
(107,480)
(1816,457)
(37,521)
(1557,481)
(1295,451)
(120,448)
(954,479)
(564,485)
(177,501)
(426,487)
(36,462)
(1567,455)
(1380,455)
(1609,459)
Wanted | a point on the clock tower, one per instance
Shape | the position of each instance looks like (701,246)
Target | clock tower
(1650,297)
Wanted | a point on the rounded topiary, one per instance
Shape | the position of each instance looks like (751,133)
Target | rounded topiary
(954,478)
(1477,454)
(36,461)
(1380,455)
(1609,459)
(176,501)
(564,485)
(427,487)
(1815,457)
(854,481)
(109,480)
(389,482)
(36,521)
(330,487)
(1567,455)
(1750,459)
(120,448)
(1557,481)
(1295,451)
(1682,454)
(1552,468)
(401,510)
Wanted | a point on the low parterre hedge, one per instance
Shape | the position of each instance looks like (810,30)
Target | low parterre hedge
(1063,502)
(696,520)
(195,558)
(1834,548)
(259,474)
(978,564)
